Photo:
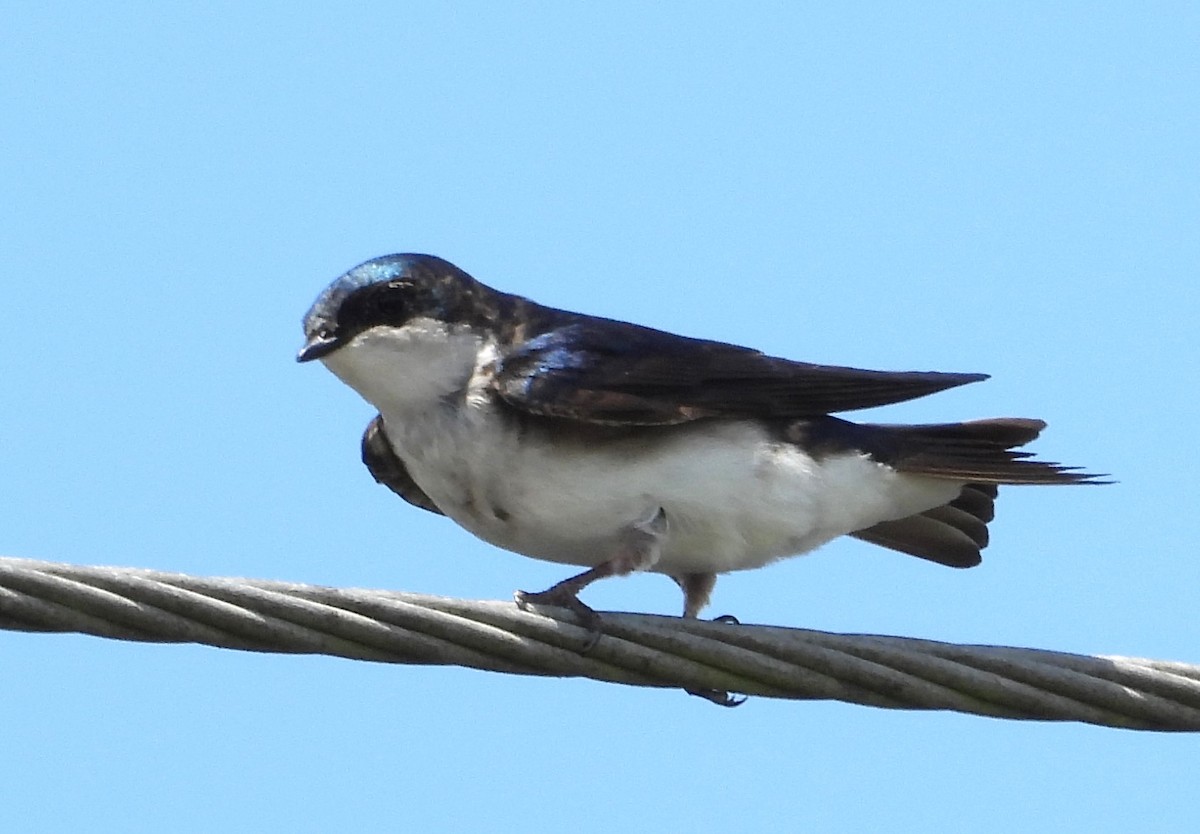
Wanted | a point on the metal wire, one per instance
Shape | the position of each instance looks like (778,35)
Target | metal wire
(635,649)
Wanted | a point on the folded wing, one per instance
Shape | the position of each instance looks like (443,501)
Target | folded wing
(386,468)
(602,371)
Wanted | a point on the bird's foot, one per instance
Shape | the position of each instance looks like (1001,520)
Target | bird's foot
(563,596)
(720,697)
(639,550)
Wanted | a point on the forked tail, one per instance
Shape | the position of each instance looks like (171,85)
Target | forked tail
(982,453)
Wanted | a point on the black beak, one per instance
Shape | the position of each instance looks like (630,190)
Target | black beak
(318,345)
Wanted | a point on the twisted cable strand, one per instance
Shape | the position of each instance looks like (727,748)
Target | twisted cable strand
(636,649)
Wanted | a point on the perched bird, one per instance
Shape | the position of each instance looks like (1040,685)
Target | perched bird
(620,448)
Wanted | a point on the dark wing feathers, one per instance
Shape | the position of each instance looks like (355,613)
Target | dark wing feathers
(602,371)
(977,451)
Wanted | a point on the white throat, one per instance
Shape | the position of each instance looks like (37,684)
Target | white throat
(408,369)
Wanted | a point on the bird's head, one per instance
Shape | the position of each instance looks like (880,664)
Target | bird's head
(400,327)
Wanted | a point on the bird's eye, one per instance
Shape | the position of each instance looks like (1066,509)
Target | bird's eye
(390,306)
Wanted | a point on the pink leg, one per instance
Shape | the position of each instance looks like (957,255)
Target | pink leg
(697,588)
(641,544)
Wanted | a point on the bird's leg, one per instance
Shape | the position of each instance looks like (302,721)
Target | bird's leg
(640,547)
(697,588)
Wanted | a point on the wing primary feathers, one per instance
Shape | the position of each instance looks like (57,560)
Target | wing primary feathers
(601,371)
(977,451)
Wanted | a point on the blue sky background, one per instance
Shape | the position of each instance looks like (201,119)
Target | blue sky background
(1011,188)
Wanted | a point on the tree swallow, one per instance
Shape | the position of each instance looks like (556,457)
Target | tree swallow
(619,448)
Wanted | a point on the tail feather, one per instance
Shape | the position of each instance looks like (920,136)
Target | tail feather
(982,454)
(979,500)
(952,534)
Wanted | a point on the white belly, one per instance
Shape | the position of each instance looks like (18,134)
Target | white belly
(734,498)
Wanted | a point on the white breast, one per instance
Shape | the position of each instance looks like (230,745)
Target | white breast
(733,497)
